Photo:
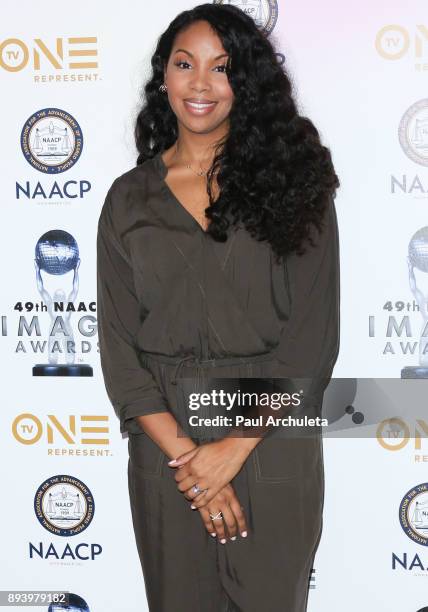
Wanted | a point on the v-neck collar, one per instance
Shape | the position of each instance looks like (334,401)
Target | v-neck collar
(168,194)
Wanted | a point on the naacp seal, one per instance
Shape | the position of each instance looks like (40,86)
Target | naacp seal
(51,140)
(64,505)
(413,132)
(263,12)
(413,514)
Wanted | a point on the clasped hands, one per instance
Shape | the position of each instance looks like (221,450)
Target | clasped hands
(212,466)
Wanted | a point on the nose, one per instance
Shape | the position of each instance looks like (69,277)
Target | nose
(199,81)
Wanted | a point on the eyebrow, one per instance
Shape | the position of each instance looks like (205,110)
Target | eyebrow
(191,55)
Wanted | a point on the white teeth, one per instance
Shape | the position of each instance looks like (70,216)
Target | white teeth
(200,105)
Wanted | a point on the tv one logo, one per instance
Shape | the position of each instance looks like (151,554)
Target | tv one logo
(83,429)
(71,53)
(394,41)
(394,434)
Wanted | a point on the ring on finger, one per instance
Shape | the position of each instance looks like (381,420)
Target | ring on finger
(200,491)
(217,516)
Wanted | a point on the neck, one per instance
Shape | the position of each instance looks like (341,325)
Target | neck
(194,148)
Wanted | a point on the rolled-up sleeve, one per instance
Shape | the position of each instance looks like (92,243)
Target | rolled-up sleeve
(131,388)
(310,338)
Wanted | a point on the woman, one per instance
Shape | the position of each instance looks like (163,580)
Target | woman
(218,258)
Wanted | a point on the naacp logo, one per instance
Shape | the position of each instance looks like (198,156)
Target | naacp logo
(414,514)
(263,12)
(64,505)
(413,132)
(51,140)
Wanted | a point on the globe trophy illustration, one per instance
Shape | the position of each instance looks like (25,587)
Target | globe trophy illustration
(56,254)
(71,603)
(418,258)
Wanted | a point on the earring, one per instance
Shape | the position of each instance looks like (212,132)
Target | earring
(163,88)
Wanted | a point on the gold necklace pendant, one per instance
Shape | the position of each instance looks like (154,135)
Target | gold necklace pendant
(198,173)
(201,173)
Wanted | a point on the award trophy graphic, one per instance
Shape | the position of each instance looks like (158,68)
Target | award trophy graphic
(71,603)
(418,258)
(56,254)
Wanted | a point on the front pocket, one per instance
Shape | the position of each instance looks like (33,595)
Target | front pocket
(275,462)
(145,455)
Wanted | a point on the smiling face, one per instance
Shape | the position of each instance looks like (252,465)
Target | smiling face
(198,88)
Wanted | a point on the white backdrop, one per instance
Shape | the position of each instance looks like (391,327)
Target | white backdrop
(359,68)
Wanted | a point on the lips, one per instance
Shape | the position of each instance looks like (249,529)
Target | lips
(199,107)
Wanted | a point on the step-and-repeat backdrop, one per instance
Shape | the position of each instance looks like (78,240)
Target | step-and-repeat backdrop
(71,80)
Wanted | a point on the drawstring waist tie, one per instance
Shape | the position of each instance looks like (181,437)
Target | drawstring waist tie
(193,360)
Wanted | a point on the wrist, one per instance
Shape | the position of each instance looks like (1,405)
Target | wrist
(240,446)
(185,445)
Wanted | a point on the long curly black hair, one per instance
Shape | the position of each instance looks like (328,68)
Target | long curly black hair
(273,173)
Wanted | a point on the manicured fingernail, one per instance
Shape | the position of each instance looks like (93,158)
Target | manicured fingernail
(193,507)
(213,534)
(244,534)
(172,461)
(234,538)
(223,541)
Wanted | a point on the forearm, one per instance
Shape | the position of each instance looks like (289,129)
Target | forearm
(164,430)
(246,437)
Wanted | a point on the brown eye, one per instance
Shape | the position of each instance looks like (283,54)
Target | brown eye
(179,64)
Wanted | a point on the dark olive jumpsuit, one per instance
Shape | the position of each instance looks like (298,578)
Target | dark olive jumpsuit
(175,304)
